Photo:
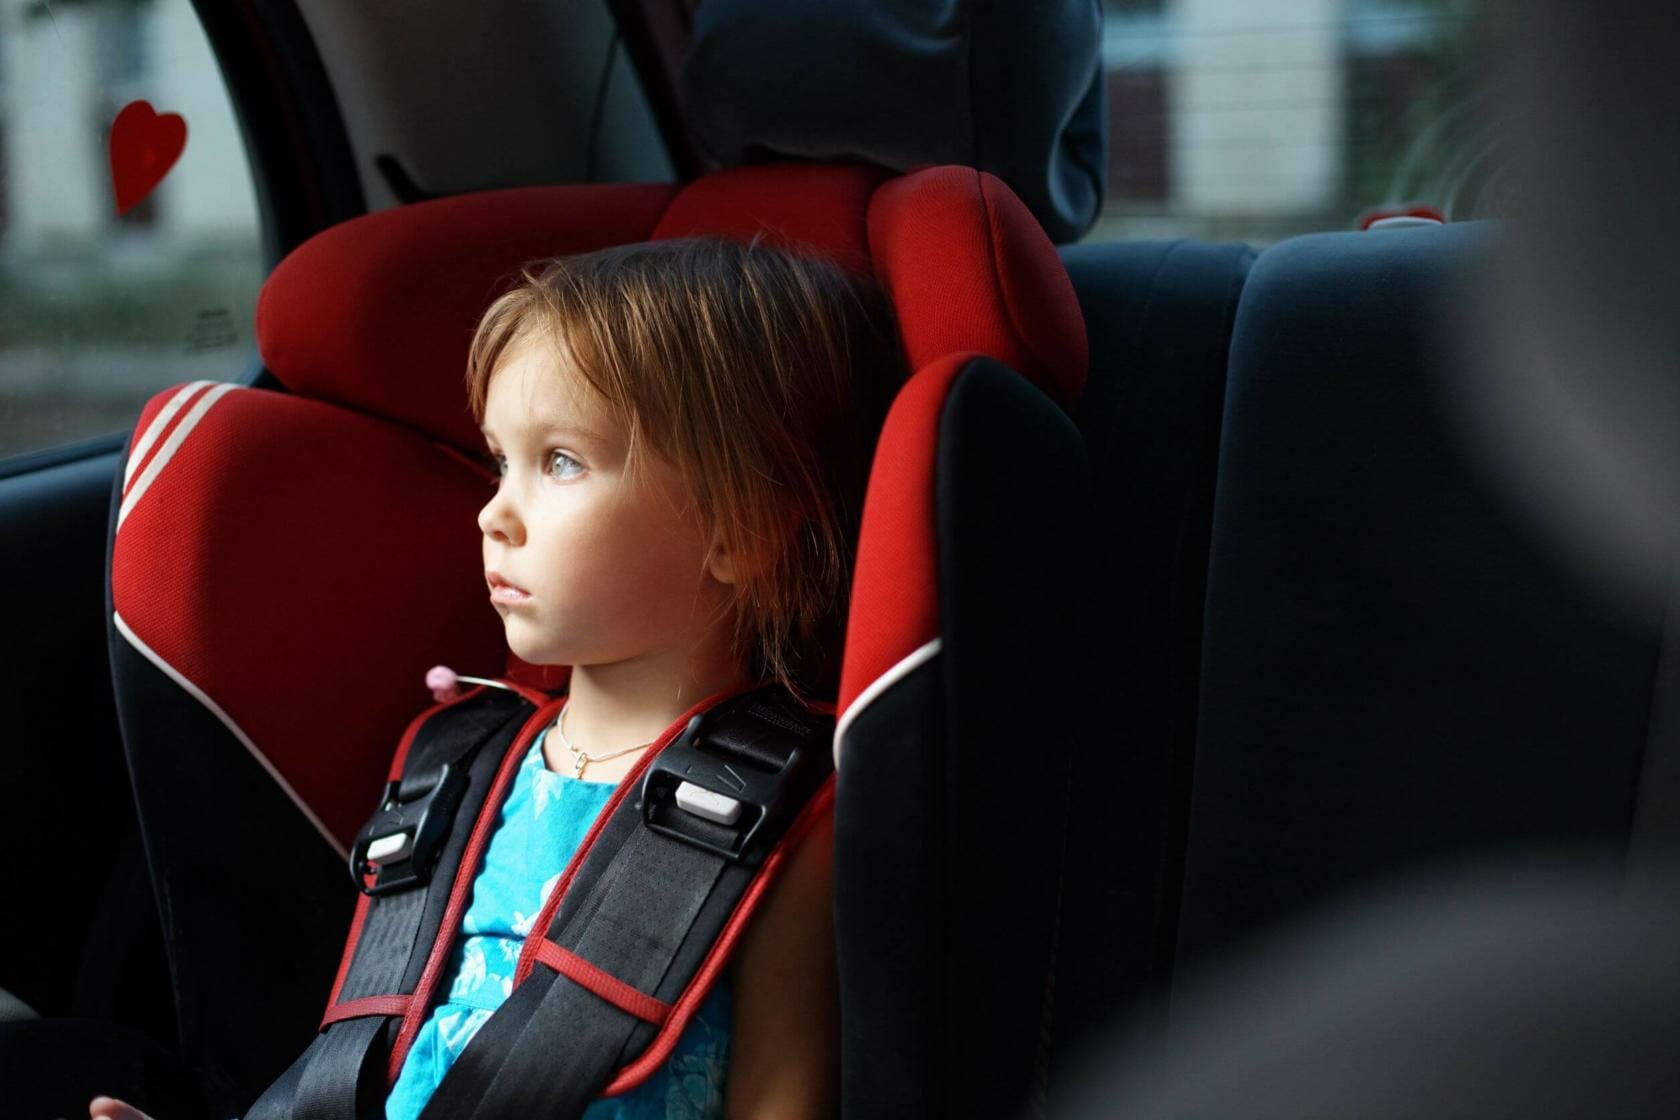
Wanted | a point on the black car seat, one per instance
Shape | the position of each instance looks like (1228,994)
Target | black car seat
(1401,668)
(1159,316)
(283,570)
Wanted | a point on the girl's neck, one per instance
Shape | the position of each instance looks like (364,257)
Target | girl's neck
(625,703)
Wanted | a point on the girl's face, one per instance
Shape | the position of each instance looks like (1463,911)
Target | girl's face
(601,569)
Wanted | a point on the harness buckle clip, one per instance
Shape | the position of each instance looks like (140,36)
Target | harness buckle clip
(720,802)
(400,845)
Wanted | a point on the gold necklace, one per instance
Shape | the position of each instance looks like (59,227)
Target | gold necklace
(582,759)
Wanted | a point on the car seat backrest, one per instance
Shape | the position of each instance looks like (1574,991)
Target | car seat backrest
(286,565)
(1159,315)
(1400,667)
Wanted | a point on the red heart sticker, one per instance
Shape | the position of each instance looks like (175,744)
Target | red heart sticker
(144,145)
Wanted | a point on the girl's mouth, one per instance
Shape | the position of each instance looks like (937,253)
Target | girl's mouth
(501,591)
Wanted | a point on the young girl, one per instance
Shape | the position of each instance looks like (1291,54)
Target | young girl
(682,431)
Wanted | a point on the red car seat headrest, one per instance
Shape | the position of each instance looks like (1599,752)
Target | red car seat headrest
(968,268)
(376,314)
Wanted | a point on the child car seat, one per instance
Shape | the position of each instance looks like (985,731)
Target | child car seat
(283,571)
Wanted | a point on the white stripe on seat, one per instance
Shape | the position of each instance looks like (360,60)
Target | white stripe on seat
(170,446)
(137,453)
(879,685)
(227,721)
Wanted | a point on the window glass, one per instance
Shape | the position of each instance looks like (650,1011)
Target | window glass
(1256,120)
(101,102)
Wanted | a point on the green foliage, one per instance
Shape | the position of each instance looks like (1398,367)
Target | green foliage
(1408,111)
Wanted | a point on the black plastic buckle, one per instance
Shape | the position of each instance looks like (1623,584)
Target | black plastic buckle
(409,835)
(766,797)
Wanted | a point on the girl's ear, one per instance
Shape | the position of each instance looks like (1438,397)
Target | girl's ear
(727,566)
(721,564)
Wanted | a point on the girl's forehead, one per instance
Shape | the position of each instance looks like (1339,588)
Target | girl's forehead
(535,387)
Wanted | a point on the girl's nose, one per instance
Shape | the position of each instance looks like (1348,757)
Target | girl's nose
(496,520)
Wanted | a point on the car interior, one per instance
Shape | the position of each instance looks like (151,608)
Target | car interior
(1266,518)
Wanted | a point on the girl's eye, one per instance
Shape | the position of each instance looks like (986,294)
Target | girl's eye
(560,465)
(561,458)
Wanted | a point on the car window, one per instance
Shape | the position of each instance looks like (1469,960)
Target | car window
(130,252)
(1255,120)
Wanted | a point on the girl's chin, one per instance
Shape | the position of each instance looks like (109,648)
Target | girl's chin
(535,652)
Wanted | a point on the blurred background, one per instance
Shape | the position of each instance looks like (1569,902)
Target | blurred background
(1249,120)
(99,311)
(1256,120)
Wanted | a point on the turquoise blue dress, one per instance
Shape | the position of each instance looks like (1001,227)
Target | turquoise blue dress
(542,823)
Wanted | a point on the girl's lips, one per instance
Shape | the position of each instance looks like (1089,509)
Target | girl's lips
(501,591)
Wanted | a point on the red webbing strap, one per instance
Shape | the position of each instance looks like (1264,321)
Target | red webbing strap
(367,1005)
(603,984)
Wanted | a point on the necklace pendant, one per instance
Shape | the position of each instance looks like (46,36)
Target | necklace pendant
(577,768)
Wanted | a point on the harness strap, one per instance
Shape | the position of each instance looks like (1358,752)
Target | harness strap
(654,897)
(643,905)
(450,763)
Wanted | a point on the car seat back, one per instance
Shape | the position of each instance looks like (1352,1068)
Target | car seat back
(1159,316)
(1400,667)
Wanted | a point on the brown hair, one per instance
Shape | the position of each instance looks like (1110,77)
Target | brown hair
(763,375)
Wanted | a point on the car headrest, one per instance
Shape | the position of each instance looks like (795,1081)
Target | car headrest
(376,314)
(1013,89)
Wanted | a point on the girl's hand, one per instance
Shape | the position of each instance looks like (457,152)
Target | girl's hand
(110,1108)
